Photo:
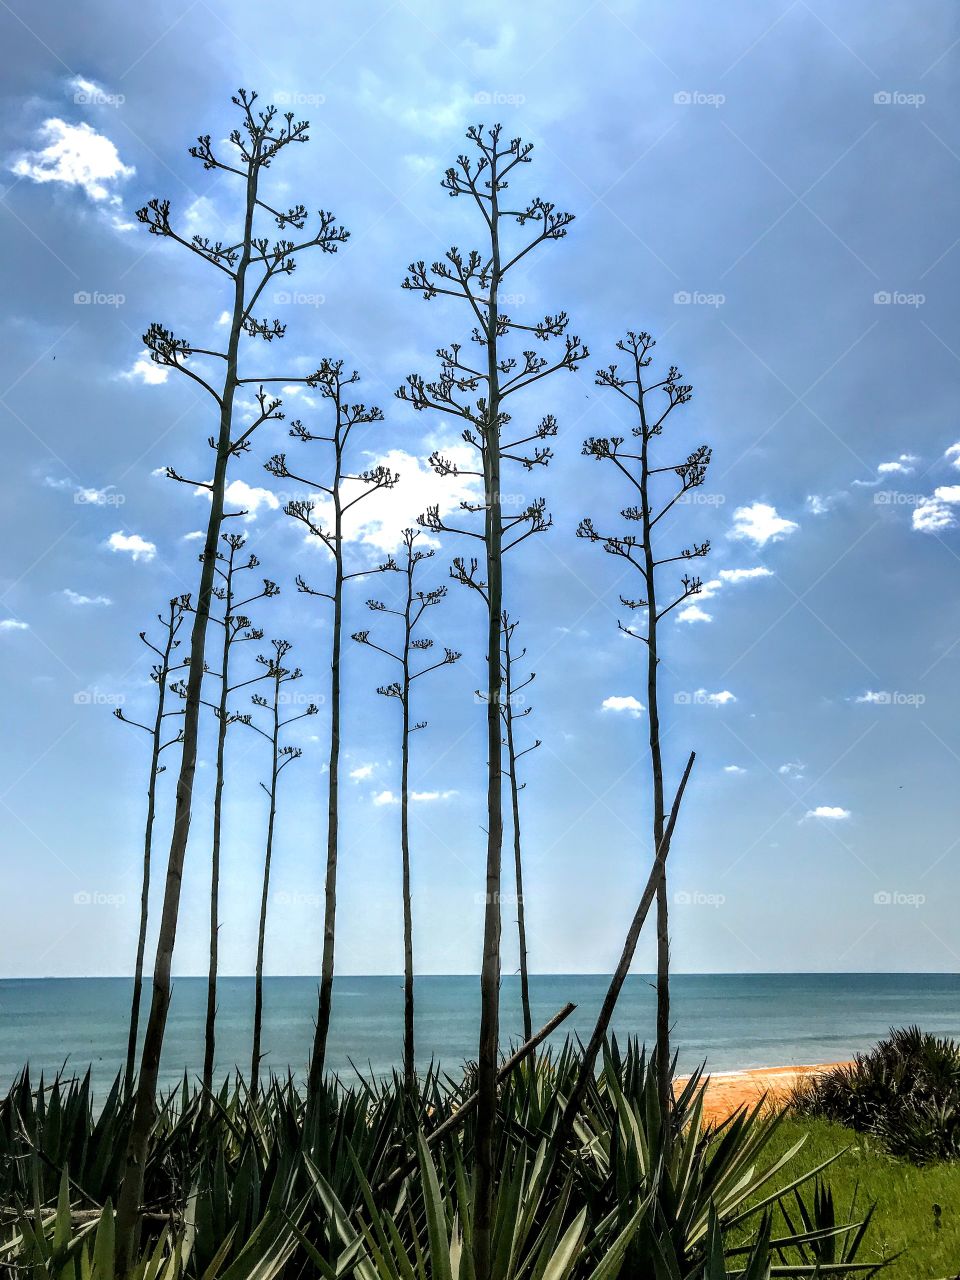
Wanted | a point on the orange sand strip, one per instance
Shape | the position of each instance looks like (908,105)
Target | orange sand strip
(738,1088)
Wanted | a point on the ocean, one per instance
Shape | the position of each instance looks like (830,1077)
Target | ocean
(729,1021)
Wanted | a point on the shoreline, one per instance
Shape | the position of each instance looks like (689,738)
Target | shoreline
(729,1090)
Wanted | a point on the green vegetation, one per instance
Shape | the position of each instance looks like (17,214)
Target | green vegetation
(917,1213)
(376,1180)
(906,1092)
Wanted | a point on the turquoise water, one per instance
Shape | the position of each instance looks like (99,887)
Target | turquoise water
(729,1020)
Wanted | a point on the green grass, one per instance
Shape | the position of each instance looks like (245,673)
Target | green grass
(904,1221)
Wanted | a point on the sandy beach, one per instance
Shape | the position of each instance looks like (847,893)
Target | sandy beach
(729,1090)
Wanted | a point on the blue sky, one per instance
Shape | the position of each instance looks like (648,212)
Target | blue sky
(772,191)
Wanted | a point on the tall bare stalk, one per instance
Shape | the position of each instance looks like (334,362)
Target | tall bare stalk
(236,628)
(415,605)
(249,261)
(323,515)
(478,279)
(159,674)
(651,401)
(512,689)
(277,676)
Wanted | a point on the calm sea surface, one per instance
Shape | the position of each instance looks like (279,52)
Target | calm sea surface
(729,1021)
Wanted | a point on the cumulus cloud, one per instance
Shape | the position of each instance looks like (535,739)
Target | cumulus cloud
(719,699)
(250,498)
(733,769)
(627,703)
(76,155)
(149,373)
(13,624)
(378,523)
(759,523)
(899,466)
(793,770)
(419,797)
(362,772)
(952,455)
(935,514)
(874,696)
(692,611)
(817,505)
(194,535)
(81,601)
(830,812)
(133,545)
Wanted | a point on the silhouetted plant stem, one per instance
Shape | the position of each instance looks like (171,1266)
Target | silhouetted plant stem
(415,605)
(257,146)
(511,691)
(478,279)
(236,628)
(277,675)
(159,674)
(332,384)
(639,469)
(656,877)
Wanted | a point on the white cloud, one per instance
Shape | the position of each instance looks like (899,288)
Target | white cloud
(900,466)
(793,769)
(361,772)
(734,576)
(627,703)
(13,624)
(720,699)
(75,155)
(132,543)
(378,523)
(733,769)
(933,514)
(953,455)
(418,797)
(759,523)
(817,505)
(831,812)
(149,373)
(693,613)
(195,535)
(225,318)
(250,498)
(873,695)
(80,600)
